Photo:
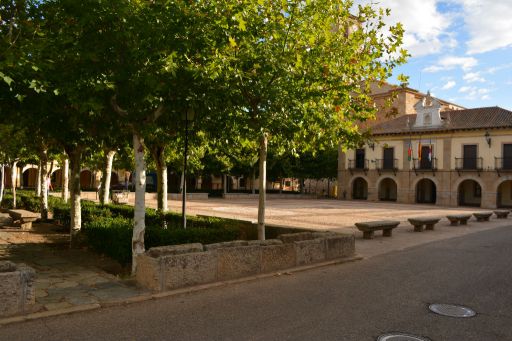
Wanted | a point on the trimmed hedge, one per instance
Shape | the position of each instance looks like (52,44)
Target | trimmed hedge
(109,228)
(112,236)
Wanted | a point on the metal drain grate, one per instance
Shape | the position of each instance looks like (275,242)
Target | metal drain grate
(400,337)
(451,310)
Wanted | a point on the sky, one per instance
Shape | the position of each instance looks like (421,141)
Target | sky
(461,50)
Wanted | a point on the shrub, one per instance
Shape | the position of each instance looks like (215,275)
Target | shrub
(112,236)
(6,201)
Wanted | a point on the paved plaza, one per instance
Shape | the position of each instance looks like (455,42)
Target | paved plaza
(68,278)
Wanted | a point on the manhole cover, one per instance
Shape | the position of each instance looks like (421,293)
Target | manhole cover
(400,337)
(451,310)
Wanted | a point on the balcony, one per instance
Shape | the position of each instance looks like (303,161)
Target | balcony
(424,165)
(503,164)
(358,165)
(471,164)
(386,165)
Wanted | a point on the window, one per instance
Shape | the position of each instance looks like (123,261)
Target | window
(360,158)
(507,156)
(389,158)
(469,156)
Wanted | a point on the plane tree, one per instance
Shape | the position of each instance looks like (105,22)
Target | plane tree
(298,72)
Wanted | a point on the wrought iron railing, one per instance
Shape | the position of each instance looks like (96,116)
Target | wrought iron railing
(503,163)
(386,164)
(358,164)
(425,164)
(469,163)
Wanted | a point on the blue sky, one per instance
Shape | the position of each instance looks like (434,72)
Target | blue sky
(461,49)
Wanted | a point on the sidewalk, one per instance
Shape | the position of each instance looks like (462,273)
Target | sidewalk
(65,277)
(71,279)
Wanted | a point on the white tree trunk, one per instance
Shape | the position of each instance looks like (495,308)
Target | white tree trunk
(107,176)
(76,213)
(38,180)
(2,182)
(43,162)
(140,203)
(65,179)
(14,178)
(263,187)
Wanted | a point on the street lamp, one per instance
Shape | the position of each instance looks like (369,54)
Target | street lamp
(188,116)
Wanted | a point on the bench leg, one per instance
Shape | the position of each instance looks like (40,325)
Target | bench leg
(418,228)
(368,235)
(26,226)
(387,232)
(430,227)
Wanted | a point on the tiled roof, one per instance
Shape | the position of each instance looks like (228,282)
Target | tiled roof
(468,119)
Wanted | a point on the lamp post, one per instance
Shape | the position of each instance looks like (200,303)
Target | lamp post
(189,116)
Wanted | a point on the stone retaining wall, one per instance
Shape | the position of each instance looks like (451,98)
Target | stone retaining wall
(17,292)
(170,267)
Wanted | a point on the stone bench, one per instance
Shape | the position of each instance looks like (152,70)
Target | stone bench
(369,227)
(17,289)
(23,218)
(120,197)
(482,216)
(501,214)
(455,219)
(419,222)
(171,267)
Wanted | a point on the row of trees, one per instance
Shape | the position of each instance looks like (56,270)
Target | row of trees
(290,77)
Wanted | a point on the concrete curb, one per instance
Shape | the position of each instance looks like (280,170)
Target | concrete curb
(177,292)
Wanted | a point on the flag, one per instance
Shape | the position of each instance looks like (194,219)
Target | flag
(430,153)
(419,150)
(409,151)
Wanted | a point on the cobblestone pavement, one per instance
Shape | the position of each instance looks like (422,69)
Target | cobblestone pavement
(65,277)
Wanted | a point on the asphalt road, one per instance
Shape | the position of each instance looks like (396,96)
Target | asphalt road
(356,301)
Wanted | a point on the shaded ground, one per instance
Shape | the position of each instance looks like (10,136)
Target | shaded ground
(64,277)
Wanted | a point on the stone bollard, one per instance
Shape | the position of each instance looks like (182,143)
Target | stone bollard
(17,292)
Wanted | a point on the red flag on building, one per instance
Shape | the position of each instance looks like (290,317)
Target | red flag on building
(419,150)
(409,151)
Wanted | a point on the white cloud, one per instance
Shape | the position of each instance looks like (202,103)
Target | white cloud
(474,93)
(449,85)
(452,62)
(472,77)
(488,24)
(426,29)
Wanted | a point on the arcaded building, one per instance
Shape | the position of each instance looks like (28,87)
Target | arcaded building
(447,158)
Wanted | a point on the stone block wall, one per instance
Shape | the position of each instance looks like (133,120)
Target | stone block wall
(17,292)
(172,267)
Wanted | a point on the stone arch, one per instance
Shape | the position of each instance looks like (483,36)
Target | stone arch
(504,193)
(426,191)
(114,178)
(469,193)
(86,179)
(359,188)
(457,183)
(29,176)
(387,189)
(29,166)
